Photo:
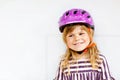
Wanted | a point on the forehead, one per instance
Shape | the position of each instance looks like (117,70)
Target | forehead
(75,28)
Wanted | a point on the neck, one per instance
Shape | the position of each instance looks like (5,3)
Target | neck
(78,54)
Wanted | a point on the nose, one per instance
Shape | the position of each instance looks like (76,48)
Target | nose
(77,37)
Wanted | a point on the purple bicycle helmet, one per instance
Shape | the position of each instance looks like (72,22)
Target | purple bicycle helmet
(75,16)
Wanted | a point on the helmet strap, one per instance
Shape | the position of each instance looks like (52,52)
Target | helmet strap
(80,52)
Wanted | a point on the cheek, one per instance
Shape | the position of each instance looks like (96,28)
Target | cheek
(88,39)
(69,42)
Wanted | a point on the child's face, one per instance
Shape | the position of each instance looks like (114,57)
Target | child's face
(78,39)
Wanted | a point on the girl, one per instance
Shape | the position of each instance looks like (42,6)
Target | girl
(82,60)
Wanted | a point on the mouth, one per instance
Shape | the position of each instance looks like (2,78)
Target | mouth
(78,43)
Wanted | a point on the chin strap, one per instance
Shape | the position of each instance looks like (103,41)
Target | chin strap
(80,52)
(90,45)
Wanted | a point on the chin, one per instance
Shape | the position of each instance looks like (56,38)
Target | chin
(78,49)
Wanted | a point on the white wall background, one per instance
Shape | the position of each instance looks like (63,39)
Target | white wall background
(31,44)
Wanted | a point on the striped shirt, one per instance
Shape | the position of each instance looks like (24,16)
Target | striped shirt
(82,70)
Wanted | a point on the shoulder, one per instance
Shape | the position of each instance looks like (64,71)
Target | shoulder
(101,56)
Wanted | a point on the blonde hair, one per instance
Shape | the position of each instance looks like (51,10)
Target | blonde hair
(92,50)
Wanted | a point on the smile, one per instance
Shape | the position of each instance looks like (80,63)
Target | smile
(78,43)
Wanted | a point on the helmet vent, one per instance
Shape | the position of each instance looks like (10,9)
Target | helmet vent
(67,13)
(88,16)
(75,12)
(83,12)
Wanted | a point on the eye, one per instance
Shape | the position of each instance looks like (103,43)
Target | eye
(81,33)
(71,35)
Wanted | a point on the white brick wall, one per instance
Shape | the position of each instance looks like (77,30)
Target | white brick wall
(30,42)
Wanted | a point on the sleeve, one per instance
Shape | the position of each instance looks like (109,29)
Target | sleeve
(59,74)
(105,70)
